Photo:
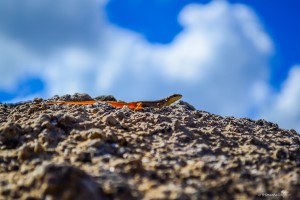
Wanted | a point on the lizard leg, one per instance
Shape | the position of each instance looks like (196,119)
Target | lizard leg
(139,106)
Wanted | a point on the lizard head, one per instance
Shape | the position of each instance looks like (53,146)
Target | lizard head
(171,99)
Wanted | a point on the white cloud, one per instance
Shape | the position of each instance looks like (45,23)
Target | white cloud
(15,61)
(284,109)
(223,64)
(48,24)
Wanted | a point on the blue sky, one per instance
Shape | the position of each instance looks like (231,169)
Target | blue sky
(280,20)
(231,57)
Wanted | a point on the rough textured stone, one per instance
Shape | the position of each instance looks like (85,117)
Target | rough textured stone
(175,152)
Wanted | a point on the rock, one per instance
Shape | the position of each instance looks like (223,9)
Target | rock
(25,152)
(76,97)
(10,134)
(281,154)
(65,182)
(175,152)
(110,120)
(38,148)
(106,98)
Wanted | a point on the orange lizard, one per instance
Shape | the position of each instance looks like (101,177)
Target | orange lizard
(136,105)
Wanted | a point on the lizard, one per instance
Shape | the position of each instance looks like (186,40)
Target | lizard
(135,105)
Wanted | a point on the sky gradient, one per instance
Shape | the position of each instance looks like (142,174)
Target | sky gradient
(233,58)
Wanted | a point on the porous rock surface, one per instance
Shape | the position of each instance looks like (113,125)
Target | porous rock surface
(176,152)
